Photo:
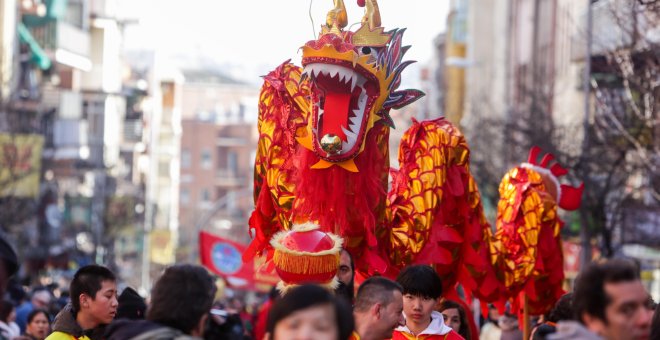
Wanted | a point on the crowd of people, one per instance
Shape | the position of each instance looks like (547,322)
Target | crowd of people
(608,302)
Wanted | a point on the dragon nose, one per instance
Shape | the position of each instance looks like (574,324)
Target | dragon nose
(331,144)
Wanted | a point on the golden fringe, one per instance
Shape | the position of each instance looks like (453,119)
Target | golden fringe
(307,226)
(284,288)
(309,264)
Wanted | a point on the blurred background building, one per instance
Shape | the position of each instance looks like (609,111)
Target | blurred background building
(579,79)
(123,155)
(217,158)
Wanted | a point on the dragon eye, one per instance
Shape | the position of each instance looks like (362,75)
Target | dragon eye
(371,52)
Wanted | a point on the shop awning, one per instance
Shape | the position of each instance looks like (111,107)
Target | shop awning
(39,57)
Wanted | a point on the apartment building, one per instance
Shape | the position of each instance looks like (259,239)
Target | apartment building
(217,158)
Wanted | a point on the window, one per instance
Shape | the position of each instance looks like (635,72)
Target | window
(164,168)
(185,196)
(206,159)
(232,162)
(74,14)
(205,196)
(185,159)
(220,193)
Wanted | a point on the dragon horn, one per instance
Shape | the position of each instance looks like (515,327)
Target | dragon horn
(533,154)
(546,159)
(557,170)
(371,14)
(337,19)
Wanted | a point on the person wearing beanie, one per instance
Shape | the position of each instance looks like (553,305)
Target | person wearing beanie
(131,305)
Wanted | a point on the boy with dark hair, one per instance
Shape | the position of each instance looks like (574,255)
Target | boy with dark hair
(181,300)
(93,305)
(422,290)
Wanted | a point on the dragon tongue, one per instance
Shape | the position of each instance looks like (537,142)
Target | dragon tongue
(335,114)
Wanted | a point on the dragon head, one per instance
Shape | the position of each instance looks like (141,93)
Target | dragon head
(566,196)
(353,80)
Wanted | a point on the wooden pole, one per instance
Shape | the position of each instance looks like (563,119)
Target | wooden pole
(527,332)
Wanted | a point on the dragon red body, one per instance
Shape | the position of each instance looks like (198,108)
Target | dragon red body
(323,158)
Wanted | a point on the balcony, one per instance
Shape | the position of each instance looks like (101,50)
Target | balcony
(231,141)
(229,178)
(69,44)
(133,130)
(69,140)
(67,103)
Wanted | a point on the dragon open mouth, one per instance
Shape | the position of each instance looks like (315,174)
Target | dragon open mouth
(342,98)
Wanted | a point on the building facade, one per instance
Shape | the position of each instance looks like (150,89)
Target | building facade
(217,158)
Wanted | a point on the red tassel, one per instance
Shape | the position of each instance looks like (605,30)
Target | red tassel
(345,203)
(446,234)
(454,181)
(434,254)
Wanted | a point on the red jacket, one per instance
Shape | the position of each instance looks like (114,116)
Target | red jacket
(436,330)
(262,318)
(407,336)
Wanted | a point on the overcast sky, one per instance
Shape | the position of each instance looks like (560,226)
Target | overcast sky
(258,35)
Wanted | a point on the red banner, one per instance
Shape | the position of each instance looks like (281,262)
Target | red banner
(223,257)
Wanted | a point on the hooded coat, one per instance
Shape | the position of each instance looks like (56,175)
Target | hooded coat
(65,327)
(143,330)
(436,330)
(572,330)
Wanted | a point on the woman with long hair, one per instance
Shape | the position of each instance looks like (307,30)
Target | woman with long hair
(455,317)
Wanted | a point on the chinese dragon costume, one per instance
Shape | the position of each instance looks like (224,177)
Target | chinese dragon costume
(527,251)
(322,158)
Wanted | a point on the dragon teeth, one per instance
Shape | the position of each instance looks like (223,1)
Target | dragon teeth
(346,75)
(362,101)
(351,138)
(355,121)
(347,132)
